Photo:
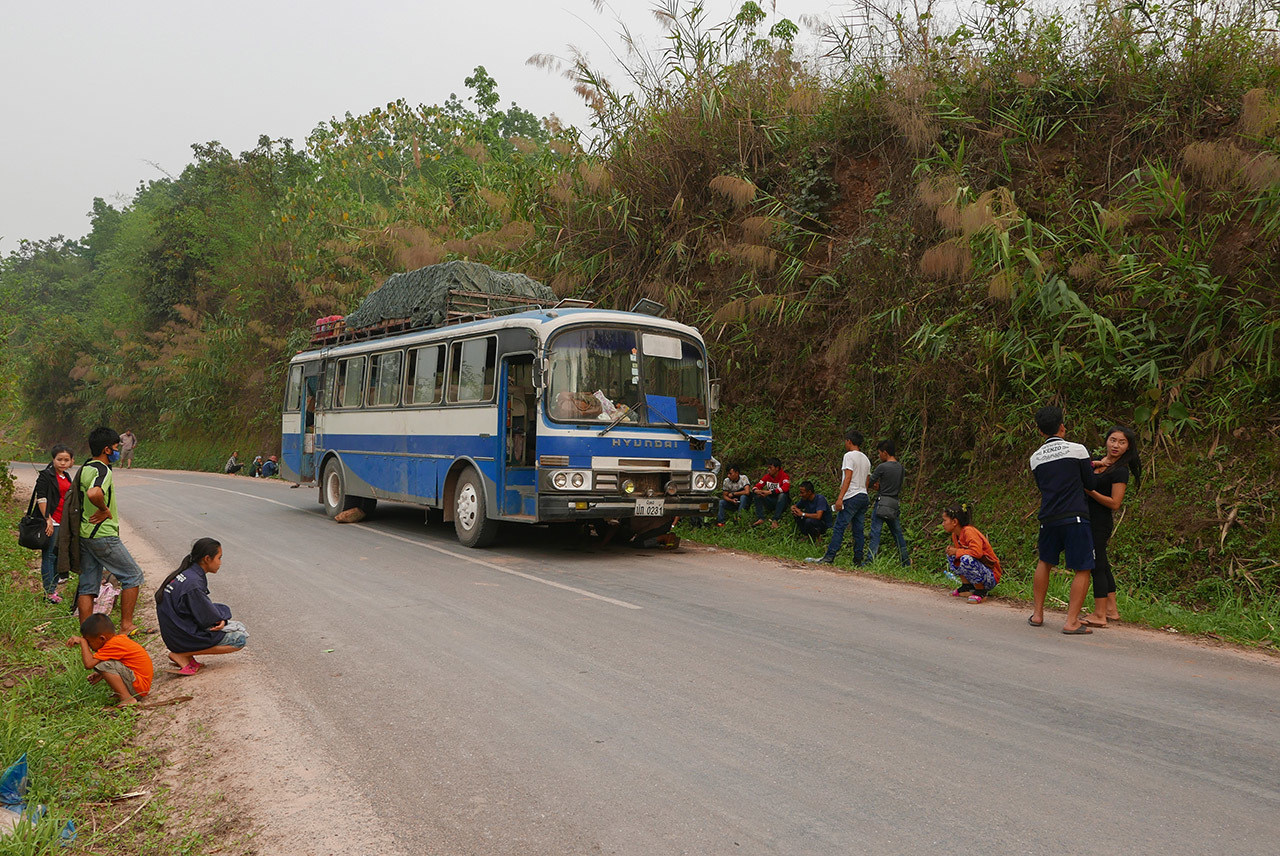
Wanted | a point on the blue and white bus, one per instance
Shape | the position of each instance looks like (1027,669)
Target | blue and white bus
(551,415)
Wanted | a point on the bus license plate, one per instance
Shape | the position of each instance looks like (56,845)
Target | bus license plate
(650,507)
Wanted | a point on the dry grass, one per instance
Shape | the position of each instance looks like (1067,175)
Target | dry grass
(1262,172)
(595,177)
(754,255)
(950,260)
(1000,286)
(1087,268)
(907,108)
(1259,114)
(523,145)
(738,191)
(415,247)
(845,343)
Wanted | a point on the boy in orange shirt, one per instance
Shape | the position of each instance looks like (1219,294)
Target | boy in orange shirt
(114,658)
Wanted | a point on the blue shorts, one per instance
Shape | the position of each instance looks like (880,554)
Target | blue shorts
(106,554)
(234,634)
(1072,539)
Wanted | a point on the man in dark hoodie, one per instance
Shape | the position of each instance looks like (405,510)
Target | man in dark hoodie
(1063,471)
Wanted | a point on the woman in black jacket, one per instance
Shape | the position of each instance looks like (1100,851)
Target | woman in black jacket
(52,485)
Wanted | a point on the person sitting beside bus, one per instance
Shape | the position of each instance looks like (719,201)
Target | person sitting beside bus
(811,511)
(233,464)
(772,492)
(270,467)
(736,493)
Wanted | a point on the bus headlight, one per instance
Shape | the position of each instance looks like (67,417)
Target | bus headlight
(576,480)
(704,481)
(560,480)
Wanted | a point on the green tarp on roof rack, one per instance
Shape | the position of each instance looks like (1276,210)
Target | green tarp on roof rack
(422,296)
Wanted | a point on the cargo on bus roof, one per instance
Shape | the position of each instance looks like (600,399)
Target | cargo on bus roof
(422,297)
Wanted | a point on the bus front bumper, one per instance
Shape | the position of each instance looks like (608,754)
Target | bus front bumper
(570,507)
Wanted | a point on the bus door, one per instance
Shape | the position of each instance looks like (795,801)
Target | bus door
(310,390)
(517,485)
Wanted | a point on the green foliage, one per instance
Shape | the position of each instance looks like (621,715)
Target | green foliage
(79,753)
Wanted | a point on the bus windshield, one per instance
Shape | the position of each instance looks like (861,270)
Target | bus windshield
(603,374)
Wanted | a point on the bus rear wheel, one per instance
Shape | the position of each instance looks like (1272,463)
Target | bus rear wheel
(333,490)
(470,515)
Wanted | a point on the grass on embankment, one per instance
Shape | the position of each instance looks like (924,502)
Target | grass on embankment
(80,750)
(1225,614)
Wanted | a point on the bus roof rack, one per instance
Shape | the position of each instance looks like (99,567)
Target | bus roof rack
(461,306)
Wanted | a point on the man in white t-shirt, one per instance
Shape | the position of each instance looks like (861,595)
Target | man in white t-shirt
(852,500)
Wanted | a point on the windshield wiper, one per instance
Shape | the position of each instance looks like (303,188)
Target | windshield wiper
(694,443)
(618,419)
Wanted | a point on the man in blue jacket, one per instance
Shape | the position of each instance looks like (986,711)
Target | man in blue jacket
(1063,471)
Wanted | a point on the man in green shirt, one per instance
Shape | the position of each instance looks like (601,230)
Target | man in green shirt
(100,545)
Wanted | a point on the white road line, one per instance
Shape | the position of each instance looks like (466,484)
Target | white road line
(491,566)
(464,557)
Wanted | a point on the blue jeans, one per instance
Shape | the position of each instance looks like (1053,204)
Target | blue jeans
(106,554)
(895,526)
(742,503)
(778,503)
(49,563)
(853,513)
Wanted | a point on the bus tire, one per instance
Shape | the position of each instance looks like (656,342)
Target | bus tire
(470,514)
(333,490)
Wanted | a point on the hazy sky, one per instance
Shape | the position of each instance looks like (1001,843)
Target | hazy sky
(98,96)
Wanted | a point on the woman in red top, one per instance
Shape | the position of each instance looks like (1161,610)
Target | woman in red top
(970,558)
(52,486)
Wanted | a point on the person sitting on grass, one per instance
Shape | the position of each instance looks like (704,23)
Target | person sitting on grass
(970,558)
(735,494)
(812,512)
(114,658)
(191,623)
(772,492)
(233,464)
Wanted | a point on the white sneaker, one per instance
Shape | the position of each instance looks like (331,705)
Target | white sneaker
(819,560)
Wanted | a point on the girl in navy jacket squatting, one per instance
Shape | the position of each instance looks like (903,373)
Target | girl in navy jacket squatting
(190,622)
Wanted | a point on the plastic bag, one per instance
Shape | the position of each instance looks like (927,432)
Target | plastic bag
(106,598)
(13,809)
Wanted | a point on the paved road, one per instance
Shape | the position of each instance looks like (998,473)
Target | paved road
(540,698)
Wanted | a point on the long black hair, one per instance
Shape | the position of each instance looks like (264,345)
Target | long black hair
(1130,458)
(203,548)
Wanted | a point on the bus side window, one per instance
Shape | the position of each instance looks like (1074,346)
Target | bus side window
(293,390)
(473,369)
(425,379)
(326,390)
(350,382)
(384,380)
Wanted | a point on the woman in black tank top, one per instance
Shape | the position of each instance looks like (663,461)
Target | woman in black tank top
(1113,470)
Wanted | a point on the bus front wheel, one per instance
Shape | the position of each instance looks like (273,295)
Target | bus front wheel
(470,516)
(333,490)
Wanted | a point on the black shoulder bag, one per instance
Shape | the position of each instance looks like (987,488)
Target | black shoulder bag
(31,529)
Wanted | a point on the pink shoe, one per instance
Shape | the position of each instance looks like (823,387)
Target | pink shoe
(54,597)
(189,669)
(975,598)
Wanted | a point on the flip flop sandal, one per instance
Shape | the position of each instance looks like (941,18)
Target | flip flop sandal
(1079,631)
(189,669)
(1032,621)
(1088,622)
(976,598)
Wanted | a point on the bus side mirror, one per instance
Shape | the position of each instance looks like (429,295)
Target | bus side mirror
(715,395)
(539,372)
